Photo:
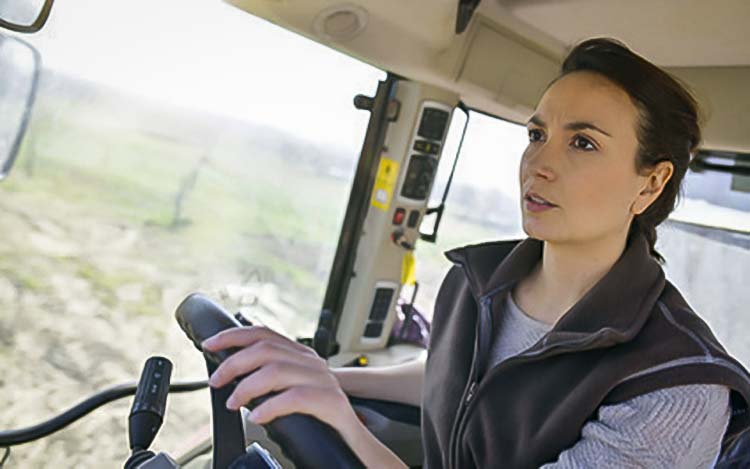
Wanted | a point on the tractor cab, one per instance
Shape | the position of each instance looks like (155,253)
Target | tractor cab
(302,165)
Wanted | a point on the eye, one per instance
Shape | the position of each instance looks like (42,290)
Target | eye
(582,143)
(535,135)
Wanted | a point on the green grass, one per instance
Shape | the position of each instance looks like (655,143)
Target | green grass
(103,283)
(245,205)
(23,279)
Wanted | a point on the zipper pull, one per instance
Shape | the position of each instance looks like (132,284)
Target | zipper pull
(470,394)
(485,301)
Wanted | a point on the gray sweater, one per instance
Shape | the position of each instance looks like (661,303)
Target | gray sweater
(678,427)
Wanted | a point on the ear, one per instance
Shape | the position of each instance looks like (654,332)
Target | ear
(653,183)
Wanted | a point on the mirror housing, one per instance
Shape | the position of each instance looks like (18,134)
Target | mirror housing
(20,63)
(24,16)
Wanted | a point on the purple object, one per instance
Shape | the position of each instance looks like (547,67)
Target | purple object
(410,327)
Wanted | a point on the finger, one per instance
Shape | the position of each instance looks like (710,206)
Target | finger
(248,335)
(325,404)
(255,356)
(237,337)
(278,376)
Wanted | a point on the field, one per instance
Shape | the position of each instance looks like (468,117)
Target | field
(114,212)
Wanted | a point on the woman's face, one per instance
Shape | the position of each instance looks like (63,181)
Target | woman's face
(581,158)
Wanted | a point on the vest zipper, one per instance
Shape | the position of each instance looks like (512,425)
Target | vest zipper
(484,326)
(470,395)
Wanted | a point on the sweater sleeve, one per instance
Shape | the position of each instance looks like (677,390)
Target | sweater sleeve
(682,426)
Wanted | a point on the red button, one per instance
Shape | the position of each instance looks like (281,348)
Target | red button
(398,216)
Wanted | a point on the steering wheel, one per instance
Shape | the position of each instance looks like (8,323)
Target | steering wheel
(305,440)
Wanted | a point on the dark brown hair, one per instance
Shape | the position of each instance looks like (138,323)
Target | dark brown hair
(668,128)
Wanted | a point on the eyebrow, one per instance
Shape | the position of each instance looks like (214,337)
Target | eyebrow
(578,125)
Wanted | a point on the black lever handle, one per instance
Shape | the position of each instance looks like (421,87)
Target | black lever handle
(147,412)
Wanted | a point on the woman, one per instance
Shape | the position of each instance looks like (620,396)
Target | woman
(568,349)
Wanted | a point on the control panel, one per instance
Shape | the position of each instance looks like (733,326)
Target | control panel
(425,151)
(413,142)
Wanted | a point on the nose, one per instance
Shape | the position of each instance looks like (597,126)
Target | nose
(538,163)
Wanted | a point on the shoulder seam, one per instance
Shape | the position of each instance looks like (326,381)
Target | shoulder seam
(686,361)
(668,315)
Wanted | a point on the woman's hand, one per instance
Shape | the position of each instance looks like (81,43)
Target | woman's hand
(277,364)
(301,378)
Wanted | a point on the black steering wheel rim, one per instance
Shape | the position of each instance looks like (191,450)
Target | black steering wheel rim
(304,440)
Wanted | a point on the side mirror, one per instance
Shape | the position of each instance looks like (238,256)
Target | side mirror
(24,16)
(19,81)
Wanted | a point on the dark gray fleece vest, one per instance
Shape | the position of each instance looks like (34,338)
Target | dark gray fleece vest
(632,333)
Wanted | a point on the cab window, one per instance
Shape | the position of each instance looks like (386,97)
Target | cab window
(174,147)
(483,203)
(706,242)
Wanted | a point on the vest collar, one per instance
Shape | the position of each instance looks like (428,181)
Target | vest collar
(613,311)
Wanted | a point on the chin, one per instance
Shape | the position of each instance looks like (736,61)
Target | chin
(537,230)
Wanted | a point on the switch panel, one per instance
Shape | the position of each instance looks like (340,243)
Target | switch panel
(413,219)
(373,330)
(381,304)
(426,144)
(427,147)
(433,124)
(419,176)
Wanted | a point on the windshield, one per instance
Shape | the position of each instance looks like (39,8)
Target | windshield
(175,146)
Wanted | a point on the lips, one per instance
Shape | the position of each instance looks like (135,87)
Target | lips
(538,199)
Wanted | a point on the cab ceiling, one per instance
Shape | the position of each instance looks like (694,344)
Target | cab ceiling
(512,48)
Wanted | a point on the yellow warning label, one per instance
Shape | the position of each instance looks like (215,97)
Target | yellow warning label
(408,274)
(385,181)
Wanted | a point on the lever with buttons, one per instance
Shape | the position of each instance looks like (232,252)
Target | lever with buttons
(147,413)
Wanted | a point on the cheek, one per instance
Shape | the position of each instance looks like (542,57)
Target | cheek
(603,192)
(523,165)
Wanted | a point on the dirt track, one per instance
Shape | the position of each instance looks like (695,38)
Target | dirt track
(83,303)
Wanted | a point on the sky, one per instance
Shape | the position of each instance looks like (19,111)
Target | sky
(210,56)
(207,55)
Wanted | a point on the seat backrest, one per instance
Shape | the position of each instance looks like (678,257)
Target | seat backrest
(736,455)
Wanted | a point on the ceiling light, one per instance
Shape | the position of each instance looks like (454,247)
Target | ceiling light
(340,22)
